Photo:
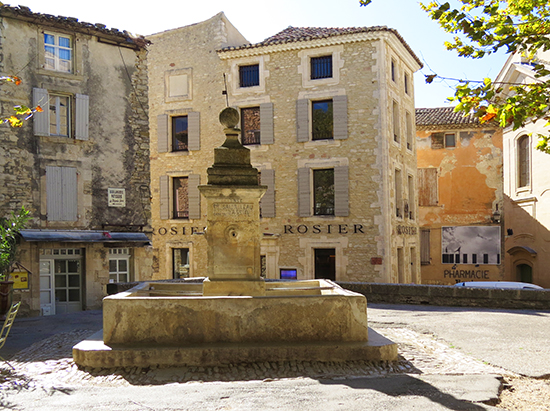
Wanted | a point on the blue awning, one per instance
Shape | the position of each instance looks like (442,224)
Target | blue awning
(84,236)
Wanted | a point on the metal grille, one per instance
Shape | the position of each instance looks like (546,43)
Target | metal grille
(321,67)
(249,76)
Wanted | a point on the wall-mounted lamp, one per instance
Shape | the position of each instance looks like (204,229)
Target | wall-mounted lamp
(509,231)
(495,218)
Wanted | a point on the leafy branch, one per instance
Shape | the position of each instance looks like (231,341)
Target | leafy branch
(22,113)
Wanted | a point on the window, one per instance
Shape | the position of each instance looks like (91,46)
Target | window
(330,191)
(250,125)
(118,265)
(289,274)
(450,140)
(410,205)
(409,131)
(180,133)
(325,263)
(180,260)
(322,120)
(523,169)
(323,192)
(180,197)
(63,115)
(321,67)
(59,115)
(427,187)
(61,193)
(249,76)
(406,82)
(400,266)
(393,70)
(58,52)
(398,194)
(395,114)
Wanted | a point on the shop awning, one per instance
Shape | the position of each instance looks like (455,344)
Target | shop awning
(84,236)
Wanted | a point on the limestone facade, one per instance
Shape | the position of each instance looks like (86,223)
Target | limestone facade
(369,230)
(81,166)
(460,197)
(526,187)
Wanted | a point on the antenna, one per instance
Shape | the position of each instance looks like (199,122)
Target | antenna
(224,92)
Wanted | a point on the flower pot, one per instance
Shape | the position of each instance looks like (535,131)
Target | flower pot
(6,296)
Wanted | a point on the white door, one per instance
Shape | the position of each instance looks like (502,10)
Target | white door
(47,306)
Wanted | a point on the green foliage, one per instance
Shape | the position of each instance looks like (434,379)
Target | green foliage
(9,232)
(483,27)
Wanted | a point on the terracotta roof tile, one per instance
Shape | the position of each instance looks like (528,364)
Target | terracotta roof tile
(297,34)
(443,116)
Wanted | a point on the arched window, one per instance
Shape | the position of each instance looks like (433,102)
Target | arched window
(524,178)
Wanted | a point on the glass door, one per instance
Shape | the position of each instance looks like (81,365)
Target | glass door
(47,307)
(68,289)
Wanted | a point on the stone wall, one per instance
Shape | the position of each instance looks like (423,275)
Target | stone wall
(451,296)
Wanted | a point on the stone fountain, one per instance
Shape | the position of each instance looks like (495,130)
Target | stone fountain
(233,316)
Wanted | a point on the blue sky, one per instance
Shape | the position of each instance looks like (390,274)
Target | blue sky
(257,19)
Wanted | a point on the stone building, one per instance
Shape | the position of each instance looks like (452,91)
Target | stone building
(82,165)
(460,197)
(328,115)
(526,186)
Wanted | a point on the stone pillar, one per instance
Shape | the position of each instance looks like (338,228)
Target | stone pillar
(233,218)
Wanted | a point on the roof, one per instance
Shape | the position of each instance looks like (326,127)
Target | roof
(84,236)
(122,38)
(297,34)
(443,116)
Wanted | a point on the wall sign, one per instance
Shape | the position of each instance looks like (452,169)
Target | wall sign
(117,197)
(324,229)
(405,229)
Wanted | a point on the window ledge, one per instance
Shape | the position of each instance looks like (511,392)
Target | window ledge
(60,74)
(317,143)
(257,147)
(177,153)
(59,140)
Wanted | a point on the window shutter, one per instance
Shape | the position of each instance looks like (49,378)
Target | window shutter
(162,133)
(304,196)
(424,247)
(41,121)
(193,127)
(341,191)
(164,197)
(82,117)
(302,120)
(438,140)
(266,123)
(427,187)
(61,193)
(267,203)
(193,181)
(340,113)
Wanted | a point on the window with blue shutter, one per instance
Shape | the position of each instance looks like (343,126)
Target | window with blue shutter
(249,76)
(321,67)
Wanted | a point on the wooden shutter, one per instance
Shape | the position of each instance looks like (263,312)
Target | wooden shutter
(61,193)
(193,182)
(82,116)
(162,133)
(438,140)
(424,247)
(267,203)
(41,121)
(193,127)
(341,191)
(302,120)
(266,123)
(340,115)
(427,187)
(304,195)
(164,190)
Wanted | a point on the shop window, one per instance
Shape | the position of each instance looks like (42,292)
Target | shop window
(58,51)
(250,125)
(321,67)
(249,76)
(180,259)
(180,135)
(323,192)
(180,197)
(322,120)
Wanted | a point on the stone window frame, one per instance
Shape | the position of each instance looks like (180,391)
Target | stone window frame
(76,65)
(164,131)
(174,198)
(168,98)
(57,48)
(316,212)
(234,75)
(166,196)
(310,244)
(304,67)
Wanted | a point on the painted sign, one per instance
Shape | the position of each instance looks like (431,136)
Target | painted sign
(117,197)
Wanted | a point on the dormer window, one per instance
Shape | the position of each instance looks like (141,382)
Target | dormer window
(58,51)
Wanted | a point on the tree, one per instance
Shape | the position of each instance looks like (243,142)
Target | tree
(22,112)
(483,27)
(9,232)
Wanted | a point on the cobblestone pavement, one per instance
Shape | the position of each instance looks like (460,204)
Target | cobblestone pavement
(48,365)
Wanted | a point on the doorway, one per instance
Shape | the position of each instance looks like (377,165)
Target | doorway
(524,273)
(325,263)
